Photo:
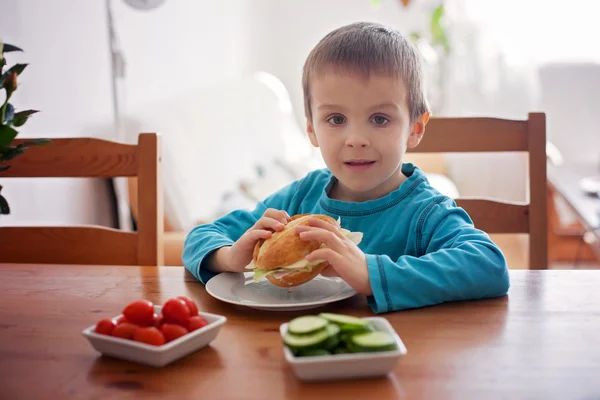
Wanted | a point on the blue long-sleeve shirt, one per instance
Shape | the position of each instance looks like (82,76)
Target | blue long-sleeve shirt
(421,249)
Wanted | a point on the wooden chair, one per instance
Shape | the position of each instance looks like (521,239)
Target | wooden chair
(454,135)
(96,158)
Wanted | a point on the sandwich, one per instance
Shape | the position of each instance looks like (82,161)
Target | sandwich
(281,257)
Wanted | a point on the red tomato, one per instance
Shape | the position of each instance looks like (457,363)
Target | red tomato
(105,326)
(125,330)
(173,331)
(191,305)
(196,323)
(158,320)
(149,335)
(176,311)
(120,319)
(140,312)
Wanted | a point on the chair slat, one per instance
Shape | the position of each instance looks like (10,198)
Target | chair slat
(67,245)
(494,216)
(461,135)
(75,157)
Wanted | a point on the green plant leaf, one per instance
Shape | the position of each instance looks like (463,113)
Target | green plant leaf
(438,31)
(7,134)
(4,208)
(9,113)
(18,68)
(36,142)
(21,117)
(9,47)
(10,152)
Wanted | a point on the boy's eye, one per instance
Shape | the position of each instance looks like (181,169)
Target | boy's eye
(379,120)
(336,120)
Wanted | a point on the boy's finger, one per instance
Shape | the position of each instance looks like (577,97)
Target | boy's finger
(329,239)
(256,234)
(269,223)
(278,215)
(328,255)
(330,272)
(319,223)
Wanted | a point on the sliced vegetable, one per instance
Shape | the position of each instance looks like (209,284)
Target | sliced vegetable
(313,352)
(306,324)
(373,341)
(349,322)
(324,338)
(331,334)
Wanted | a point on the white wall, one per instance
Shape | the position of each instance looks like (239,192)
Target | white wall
(182,44)
(68,81)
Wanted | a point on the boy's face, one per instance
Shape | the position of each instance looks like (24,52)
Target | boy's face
(362,127)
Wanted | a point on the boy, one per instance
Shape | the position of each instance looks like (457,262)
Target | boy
(365,105)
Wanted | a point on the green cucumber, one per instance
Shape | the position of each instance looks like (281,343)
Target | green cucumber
(352,329)
(313,352)
(306,325)
(348,322)
(325,338)
(372,341)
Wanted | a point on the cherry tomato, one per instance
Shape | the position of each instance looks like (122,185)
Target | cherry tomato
(158,320)
(140,312)
(125,330)
(196,322)
(191,305)
(105,326)
(120,319)
(149,335)
(173,331)
(176,311)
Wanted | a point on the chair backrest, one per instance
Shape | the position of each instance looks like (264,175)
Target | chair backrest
(91,158)
(459,135)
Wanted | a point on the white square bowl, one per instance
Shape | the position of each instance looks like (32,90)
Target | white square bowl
(156,356)
(348,365)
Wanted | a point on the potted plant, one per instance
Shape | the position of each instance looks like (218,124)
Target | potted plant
(10,119)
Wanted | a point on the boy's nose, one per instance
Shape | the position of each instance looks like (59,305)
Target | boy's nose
(356,139)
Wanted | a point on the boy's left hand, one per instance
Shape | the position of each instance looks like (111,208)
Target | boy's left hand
(348,261)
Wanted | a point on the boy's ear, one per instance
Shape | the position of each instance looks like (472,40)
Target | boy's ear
(418,130)
(311,133)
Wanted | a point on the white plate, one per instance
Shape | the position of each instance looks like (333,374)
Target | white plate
(241,289)
(590,185)
(156,356)
(347,366)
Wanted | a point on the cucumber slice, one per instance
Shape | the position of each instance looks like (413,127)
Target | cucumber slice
(372,341)
(306,325)
(348,321)
(324,338)
(313,352)
(352,329)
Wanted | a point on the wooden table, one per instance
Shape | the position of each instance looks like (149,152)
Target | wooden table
(541,341)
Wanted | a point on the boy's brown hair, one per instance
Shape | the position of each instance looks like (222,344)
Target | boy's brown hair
(366,48)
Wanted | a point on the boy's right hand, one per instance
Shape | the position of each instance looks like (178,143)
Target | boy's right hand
(237,257)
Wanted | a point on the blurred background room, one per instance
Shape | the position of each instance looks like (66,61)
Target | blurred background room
(221,82)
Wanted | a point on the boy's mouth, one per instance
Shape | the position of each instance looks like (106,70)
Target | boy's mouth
(359,165)
(359,162)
